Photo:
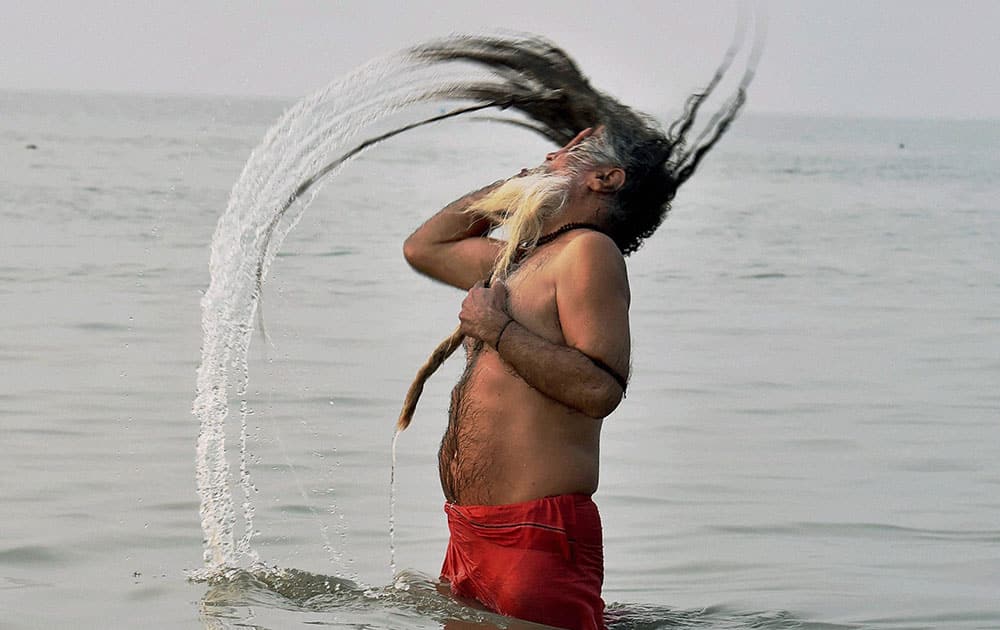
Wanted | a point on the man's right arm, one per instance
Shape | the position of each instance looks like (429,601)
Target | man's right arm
(452,246)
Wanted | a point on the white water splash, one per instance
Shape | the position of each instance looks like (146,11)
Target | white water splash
(392,506)
(264,205)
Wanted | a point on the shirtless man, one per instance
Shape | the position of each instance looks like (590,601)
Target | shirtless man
(547,361)
(546,323)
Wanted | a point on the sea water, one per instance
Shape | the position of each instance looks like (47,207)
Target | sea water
(810,435)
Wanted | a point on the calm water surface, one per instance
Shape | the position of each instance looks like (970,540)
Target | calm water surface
(810,439)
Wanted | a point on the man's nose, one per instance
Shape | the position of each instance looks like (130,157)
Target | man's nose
(553,155)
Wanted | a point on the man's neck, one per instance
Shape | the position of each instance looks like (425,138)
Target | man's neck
(579,213)
(551,235)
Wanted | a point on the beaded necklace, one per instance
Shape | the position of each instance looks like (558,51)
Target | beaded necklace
(523,250)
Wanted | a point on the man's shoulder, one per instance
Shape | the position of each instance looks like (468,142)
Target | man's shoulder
(590,259)
(585,246)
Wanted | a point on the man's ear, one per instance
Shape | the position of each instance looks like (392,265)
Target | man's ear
(606,179)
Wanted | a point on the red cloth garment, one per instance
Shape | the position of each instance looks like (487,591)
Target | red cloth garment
(541,561)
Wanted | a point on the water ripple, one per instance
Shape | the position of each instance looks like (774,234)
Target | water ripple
(859,530)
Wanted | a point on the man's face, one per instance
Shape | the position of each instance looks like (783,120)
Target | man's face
(588,163)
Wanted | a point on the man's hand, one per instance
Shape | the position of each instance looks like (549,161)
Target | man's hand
(484,312)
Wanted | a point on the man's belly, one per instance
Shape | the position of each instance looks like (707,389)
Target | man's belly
(508,443)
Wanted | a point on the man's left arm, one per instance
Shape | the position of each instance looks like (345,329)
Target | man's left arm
(588,373)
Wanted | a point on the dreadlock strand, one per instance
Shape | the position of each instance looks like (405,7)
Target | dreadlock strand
(698,153)
(695,100)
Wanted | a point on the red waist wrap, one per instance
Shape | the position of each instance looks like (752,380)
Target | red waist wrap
(541,560)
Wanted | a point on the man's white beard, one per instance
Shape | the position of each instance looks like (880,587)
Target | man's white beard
(520,206)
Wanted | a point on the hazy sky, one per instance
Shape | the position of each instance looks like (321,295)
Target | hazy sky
(889,58)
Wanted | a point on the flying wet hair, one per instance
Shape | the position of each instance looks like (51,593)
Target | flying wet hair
(537,86)
(543,83)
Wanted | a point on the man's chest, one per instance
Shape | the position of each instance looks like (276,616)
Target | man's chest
(532,300)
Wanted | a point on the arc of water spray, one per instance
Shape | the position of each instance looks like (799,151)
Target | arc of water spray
(528,75)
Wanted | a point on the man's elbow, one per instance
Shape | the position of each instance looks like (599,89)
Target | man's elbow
(602,401)
(415,253)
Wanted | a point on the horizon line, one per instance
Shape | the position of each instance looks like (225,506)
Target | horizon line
(288,100)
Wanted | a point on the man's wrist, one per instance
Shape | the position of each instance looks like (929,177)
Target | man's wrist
(503,329)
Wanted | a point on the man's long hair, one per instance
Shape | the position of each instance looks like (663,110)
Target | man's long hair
(539,80)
